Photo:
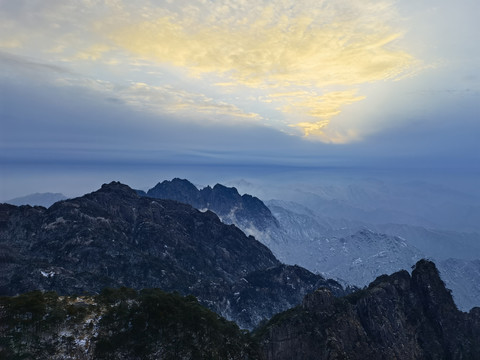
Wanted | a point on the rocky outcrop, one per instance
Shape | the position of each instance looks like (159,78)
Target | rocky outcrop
(113,237)
(245,211)
(396,317)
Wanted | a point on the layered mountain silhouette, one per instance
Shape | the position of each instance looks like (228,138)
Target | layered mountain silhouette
(245,211)
(114,237)
(346,250)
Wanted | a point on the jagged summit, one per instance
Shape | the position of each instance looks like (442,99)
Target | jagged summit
(397,317)
(245,211)
(178,189)
(435,297)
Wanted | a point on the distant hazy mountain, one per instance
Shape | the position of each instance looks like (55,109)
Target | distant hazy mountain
(361,257)
(378,202)
(436,243)
(296,236)
(347,251)
(463,278)
(40,199)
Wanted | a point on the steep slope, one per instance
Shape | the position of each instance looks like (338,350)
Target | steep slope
(397,317)
(114,237)
(117,324)
(333,248)
(361,257)
(463,278)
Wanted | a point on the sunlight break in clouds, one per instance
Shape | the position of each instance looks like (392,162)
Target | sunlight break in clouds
(282,46)
(292,65)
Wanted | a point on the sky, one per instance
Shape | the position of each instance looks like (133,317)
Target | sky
(93,91)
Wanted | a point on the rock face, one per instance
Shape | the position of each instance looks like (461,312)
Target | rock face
(245,211)
(396,317)
(113,237)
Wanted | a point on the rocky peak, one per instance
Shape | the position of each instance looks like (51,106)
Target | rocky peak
(116,188)
(396,317)
(245,211)
(429,286)
(178,189)
(229,192)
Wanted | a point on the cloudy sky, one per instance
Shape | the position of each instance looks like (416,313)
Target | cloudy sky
(115,87)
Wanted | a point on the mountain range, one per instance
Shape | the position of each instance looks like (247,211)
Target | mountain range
(92,277)
(114,237)
(350,251)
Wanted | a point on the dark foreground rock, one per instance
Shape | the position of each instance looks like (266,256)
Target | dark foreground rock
(396,317)
(117,324)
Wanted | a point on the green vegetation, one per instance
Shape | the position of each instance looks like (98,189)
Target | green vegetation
(118,324)
(152,320)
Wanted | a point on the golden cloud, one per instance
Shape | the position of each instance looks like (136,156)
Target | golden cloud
(295,52)
(324,106)
(286,51)
(319,110)
(302,60)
